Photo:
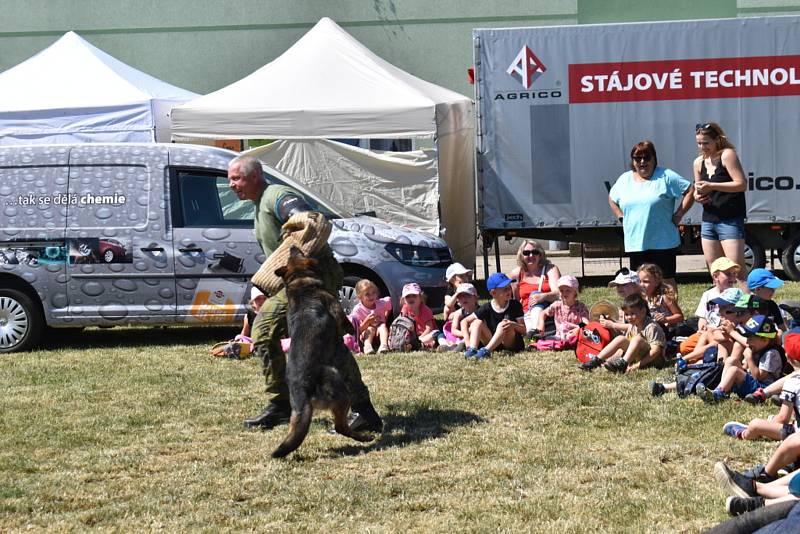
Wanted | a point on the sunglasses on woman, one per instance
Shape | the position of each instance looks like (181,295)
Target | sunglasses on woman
(702,126)
(530,253)
(643,158)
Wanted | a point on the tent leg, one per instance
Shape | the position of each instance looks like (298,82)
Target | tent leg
(485,257)
(497,252)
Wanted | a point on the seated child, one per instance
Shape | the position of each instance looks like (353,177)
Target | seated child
(626,282)
(456,274)
(467,297)
(764,358)
(369,316)
(568,312)
(724,273)
(257,299)
(762,283)
(641,344)
(414,307)
(721,335)
(497,324)
(660,297)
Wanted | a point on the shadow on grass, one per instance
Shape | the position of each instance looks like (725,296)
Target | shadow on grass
(73,338)
(415,425)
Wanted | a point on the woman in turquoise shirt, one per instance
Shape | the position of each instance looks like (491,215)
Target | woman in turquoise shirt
(644,200)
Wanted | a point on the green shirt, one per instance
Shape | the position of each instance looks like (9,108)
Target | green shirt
(267,221)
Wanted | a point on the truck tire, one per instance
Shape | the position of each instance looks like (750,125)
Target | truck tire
(21,321)
(790,259)
(754,255)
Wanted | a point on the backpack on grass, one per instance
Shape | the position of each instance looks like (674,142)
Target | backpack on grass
(709,374)
(592,337)
(403,334)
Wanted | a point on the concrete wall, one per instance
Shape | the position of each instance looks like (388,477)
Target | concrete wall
(203,45)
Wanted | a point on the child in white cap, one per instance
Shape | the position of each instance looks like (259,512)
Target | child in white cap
(257,299)
(467,297)
(568,312)
(455,275)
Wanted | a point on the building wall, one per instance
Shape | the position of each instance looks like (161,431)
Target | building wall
(203,45)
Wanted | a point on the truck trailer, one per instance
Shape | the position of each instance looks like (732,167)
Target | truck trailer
(559,108)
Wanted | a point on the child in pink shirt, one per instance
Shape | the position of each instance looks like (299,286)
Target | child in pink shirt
(414,307)
(369,316)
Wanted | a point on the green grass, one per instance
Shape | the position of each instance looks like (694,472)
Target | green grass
(140,429)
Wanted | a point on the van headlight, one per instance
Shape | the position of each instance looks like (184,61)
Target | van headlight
(420,256)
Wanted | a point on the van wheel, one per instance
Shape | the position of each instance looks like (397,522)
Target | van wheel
(790,259)
(754,255)
(21,322)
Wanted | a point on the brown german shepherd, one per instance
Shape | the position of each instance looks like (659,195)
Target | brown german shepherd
(316,322)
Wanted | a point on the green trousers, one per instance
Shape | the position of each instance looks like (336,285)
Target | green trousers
(270,327)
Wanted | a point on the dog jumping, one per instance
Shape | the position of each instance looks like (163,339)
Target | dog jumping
(316,323)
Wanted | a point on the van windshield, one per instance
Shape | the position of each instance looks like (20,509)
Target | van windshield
(317,204)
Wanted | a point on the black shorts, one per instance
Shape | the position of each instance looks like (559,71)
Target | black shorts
(665,258)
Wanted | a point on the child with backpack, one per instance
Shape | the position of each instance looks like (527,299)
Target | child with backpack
(497,324)
(641,345)
(467,298)
(764,358)
(569,314)
(369,316)
(413,307)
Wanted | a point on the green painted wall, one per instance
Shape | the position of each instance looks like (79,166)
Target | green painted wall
(203,45)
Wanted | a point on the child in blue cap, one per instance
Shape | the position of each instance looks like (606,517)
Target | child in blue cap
(763,283)
(497,324)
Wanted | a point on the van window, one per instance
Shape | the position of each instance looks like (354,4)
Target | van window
(204,200)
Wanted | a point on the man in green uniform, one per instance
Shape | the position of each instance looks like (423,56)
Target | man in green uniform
(275,204)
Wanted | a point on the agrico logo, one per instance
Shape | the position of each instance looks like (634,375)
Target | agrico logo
(526,67)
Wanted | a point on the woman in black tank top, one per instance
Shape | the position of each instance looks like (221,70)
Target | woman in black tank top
(719,186)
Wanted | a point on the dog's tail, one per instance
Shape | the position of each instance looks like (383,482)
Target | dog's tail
(299,422)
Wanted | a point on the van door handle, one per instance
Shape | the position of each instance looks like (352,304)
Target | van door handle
(189,249)
(152,249)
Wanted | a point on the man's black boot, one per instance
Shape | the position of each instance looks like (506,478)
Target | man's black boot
(364,418)
(276,413)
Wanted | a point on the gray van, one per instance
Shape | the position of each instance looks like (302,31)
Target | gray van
(121,234)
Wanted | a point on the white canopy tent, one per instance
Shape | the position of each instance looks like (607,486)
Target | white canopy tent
(74,92)
(329,86)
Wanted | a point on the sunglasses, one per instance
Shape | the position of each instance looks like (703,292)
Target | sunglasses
(530,253)
(645,158)
(702,126)
(622,271)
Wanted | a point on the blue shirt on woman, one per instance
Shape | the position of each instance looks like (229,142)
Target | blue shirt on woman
(647,209)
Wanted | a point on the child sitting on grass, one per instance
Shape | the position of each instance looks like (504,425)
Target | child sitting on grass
(497,324)
(626,283)
(762,283)
(369,316)
(660,297)
(777,427)
(642,343)
(467,297)
(764,359)
(568,312)
(414,307)
(455,275)
(724,273)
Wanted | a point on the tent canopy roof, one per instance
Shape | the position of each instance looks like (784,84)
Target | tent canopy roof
(72,73)
(326,85)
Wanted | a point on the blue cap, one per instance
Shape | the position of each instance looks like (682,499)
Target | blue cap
(497,280)
(794,485)
(728,297)
(758,325)
(763,278)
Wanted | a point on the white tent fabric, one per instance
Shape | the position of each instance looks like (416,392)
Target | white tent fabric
(401,186)
(328,85)
(74,92)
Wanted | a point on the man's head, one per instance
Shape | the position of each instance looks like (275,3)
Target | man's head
(245,177)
